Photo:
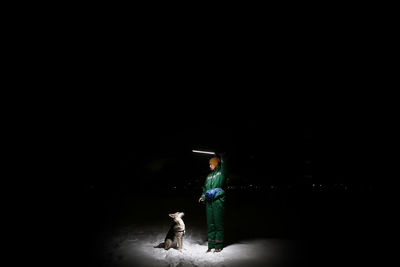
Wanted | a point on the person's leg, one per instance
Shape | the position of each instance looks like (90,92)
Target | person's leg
(219,211)
(210,225)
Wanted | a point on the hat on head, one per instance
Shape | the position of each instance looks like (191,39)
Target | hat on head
(214,161)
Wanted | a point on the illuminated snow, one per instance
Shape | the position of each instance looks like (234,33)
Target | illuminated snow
(137,249)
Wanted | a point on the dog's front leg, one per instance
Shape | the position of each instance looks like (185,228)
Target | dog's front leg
(180,244)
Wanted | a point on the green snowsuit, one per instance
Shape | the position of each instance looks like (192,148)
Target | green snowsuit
(215,207)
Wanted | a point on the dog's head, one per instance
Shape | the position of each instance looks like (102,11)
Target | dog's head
(176,215)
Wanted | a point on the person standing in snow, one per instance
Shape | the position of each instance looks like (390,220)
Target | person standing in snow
(214,198)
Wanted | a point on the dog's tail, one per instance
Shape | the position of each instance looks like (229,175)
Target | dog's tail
(161,245)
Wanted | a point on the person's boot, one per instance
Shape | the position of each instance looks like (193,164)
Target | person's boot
(208,250)
(217,250)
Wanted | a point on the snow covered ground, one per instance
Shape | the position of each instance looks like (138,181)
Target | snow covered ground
(260,230)
(135,247)
(129,228)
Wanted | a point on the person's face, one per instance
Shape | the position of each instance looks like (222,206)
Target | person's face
(212,167)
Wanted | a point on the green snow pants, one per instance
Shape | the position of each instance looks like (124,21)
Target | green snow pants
(215,222)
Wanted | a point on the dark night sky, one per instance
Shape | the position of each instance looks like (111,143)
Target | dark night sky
(117,145)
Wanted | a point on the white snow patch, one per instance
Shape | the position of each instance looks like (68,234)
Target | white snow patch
(136,248)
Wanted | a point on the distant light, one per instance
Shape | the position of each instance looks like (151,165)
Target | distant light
(204,152)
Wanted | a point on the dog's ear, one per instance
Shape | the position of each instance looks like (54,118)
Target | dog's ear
(172,215)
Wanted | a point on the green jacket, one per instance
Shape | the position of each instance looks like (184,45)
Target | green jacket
(216,179)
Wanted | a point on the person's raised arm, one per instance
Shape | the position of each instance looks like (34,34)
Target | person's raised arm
(222,156)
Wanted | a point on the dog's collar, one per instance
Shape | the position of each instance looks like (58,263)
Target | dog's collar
(182,231)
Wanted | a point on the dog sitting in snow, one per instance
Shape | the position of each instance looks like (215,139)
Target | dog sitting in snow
(174,238)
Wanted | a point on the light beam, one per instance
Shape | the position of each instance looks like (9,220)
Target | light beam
(203,152)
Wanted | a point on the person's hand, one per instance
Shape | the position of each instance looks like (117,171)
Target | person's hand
(201,200)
